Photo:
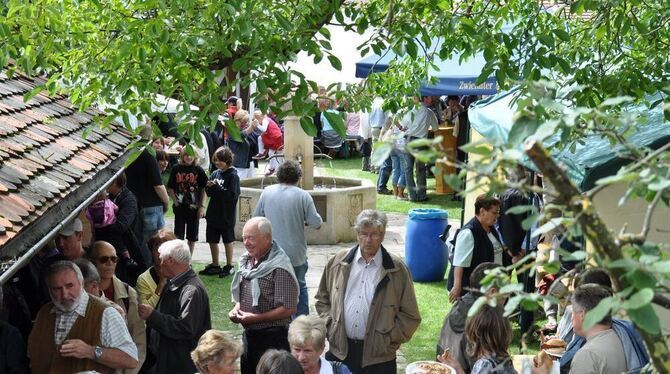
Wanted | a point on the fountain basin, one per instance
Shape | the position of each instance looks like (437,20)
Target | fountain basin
(338,200)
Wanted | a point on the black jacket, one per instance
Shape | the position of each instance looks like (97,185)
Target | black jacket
(482,251)
(223,196)
(511,229)
(121,234)
(181,317)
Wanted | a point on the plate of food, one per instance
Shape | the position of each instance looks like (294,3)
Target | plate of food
(429,367)
(554,347)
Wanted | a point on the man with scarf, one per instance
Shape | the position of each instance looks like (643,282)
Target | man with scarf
(265,292)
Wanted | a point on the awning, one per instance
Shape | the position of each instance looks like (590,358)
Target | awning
(455,77)
(595,159)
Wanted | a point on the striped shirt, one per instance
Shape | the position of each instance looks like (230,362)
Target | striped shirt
(358,296)
(113,330)
(277,289)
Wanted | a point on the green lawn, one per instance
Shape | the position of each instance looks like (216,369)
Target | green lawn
(351,168)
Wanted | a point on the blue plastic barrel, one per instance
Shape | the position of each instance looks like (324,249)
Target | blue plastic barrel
(425,253)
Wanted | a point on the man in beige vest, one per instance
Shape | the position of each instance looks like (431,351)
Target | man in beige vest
(77,332)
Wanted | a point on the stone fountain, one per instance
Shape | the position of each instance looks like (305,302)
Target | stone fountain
(338,200)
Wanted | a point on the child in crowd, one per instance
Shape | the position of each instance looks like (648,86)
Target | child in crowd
(163,163)
(186,188)
(489,335)
(158,144)
(452,336)
(223,189)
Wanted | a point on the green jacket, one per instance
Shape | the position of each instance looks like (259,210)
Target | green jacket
(394,313)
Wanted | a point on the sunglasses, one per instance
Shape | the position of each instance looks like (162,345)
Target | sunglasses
(106,259)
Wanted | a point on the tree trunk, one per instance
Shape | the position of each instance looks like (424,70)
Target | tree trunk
(599,236)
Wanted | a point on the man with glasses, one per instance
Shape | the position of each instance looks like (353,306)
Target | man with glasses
(367,284)
(265,291)
(75,332)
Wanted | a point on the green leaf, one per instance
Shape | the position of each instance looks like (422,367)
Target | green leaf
(614,101)
(476,306)
(646,319)
(519,209)
(477,148)
(335,119)
(381,152)
(308,126)
(522,128)
(32,93)
(643,279)
(660,185)
(552,267)
(639,299)
(511,288)
(627,177)
(595,315)
(552,224)
(562,34)
(661,267)
(335,62)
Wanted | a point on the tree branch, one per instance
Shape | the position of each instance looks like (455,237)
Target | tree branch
(597,234)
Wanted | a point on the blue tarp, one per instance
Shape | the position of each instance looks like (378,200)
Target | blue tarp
(455,78)
(595,159)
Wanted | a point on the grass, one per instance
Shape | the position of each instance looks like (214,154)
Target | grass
(351,168)
(219,301)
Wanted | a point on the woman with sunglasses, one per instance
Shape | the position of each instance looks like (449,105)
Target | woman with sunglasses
(103,255)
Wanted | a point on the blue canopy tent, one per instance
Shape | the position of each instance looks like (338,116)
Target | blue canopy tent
(595,159)
(455,78)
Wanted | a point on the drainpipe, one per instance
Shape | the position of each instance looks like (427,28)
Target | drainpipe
(28,255)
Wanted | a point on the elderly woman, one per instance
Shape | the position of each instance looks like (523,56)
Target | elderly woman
(216,353)
(477,242)
(242,150)
(307,338)
(275,361)
(103,256)
(150,283)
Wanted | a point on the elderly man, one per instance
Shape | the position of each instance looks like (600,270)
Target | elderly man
(76,332)
(367,297)
(290,209)
(182,314)
(418,124)
(265,292)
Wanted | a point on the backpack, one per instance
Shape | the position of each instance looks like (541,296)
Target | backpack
(102,213)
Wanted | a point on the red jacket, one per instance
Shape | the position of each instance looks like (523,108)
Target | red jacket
(272,137)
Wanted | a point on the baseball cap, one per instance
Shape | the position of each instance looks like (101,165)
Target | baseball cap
(232,100)
(72,227)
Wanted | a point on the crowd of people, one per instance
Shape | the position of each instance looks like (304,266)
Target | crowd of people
(131,302)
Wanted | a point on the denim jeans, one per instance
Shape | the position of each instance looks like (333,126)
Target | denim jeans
(152,221)
(303,299)
(398,162)
(417,191)
(384,175)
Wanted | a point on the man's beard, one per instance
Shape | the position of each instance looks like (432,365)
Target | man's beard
(71,307)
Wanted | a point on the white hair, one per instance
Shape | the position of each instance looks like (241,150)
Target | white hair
(177,249)
(263,224)
(309,329)
(371,218)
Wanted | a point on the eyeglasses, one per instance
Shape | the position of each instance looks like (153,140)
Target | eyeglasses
(106,259)
(373,235)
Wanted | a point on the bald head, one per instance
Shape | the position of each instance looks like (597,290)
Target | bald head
(101,246)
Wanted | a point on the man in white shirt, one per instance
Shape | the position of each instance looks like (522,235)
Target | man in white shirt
(76,332)
(418,123)
(367,284)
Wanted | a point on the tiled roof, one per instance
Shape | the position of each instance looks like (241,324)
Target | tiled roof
(44,159)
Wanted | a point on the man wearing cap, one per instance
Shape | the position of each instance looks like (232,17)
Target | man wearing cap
(68,241)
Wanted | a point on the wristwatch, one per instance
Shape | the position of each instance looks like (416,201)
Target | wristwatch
(97,353)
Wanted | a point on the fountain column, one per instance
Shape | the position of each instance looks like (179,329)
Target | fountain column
(300,147)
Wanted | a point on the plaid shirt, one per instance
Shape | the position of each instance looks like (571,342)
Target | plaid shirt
(277,289)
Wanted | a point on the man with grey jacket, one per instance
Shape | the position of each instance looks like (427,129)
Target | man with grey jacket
(366,296)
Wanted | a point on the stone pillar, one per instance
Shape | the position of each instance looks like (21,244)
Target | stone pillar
(300,147)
